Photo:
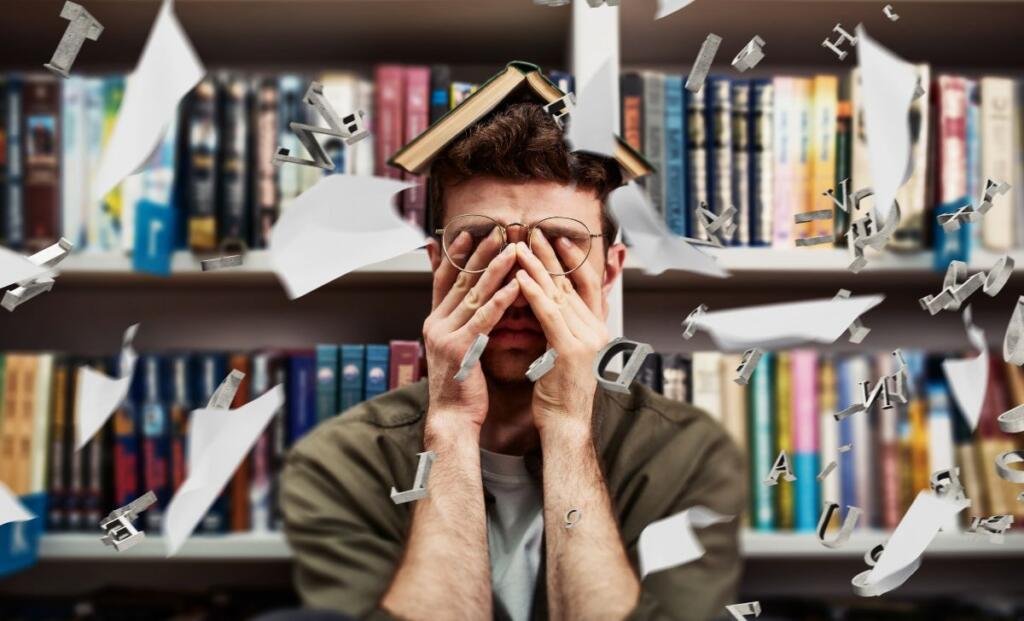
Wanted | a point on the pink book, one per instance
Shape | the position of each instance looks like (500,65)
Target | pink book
(388,118)
(785,149)
(417,118)
(805,435)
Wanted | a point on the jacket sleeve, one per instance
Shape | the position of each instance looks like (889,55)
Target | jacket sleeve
(345,538)
(698,590)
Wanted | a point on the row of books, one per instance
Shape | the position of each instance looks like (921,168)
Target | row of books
(772,147)
(143,446)
(789,406)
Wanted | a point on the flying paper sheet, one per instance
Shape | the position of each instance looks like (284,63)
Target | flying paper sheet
(668,7)
(888,82)
(168,69)
(98,395)
(11,509)
(671,542)
(778,326)
(592,123)
(968,377)
(916,530)
(218,441)
(656,248)
(16,267)
(340,224)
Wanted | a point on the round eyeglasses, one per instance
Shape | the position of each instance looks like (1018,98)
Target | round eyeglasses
(470,242)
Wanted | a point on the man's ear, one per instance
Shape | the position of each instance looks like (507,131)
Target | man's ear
(614,261)
(435,253)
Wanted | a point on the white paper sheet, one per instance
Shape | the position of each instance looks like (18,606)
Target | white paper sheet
(167,70)
(671,542)
(916,530)
(11,509)
(340,224)
(968,377)
(98,395)
(218,442)
(668,7)
(592,123)
(650,240)
(778,326)
(16,267)
(888,84)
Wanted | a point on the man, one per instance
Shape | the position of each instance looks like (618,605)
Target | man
(526,255)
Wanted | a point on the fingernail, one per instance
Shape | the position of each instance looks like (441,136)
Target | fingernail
(512,284)
(521,274)
(508,249)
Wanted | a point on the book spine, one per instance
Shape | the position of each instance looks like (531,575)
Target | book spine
(888,451)
(785,492)
(405,363)
(654,137)
(326,382)
(376,370)
(844,137)
(974,180)
(388,126)
(233,212)
(301,395)
(73,159)
(741,160)
(291,90)
(93,217)
(42,140)
(353,362)
(111,206)
(940,436)
(204,146)
(417,119)
(631,87)
(264,190)
(440,84)
(801,182)
(650,373)
(14,215)
(762,170)
(786,150)
(997,159)
(707,391)
(4,156)
(38,427)
(828,429)
(564,81)
(57,470)
(155,443)
(734,406)
(914,195)
(259,488)
(675,155)
(178,420)
(719,127)
(847,394)
(697,159)
(212,370)
(126,454)
(762,449)
(279,434)
(804,405)
(240,482)
(992,442)
(951,107)
(822,152)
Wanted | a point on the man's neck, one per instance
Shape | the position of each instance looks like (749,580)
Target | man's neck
(508,428)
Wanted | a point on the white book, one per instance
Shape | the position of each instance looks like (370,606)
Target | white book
(41,423)
(734,401)
(707,378)
(828,429)
(73,159)
(340,91)
(941,452)
(362,151)
(998,107)
(93,210)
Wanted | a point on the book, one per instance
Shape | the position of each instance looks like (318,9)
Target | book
(742,153)
(785,492)
(805,438)
(291,89)
(844,154)
(260,498)
(95,218)
(975,183)
(951,113)
(998,105)
(940,432)
(238,492)
(301,388)
(631,90)
(204,147)
(828,428)
(264,191)
(674,168)
(733,399)
(697,159)
(675,377)
(127,449)
(786,160)
(211,370)
(111,207)
(762,173)
(326,382)
(353,361)
(460,91)
(707,382)
(847,393)
(405,363)
(14,223)
(156,458)
(233,210)
(60,441)
(992,442)
(278,441)
(915,196)
(4,147)
(917,413)
(762,443)
(42,172)
(181,404)
(822,152)
(37,423)
(888,441)
(563,80)
(389,117)
(654,137)
(74,190)
(416,89)
(376,371)
(718,108)
(416,156)
(440,95)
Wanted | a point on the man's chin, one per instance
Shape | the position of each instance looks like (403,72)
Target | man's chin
(508,366)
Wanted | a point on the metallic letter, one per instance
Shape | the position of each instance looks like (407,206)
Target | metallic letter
(637,354)
(83,26)
(782,468)
(419,486)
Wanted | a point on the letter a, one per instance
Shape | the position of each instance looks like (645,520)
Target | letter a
(782,468)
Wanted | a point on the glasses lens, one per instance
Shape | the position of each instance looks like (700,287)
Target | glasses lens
(471,242)
(562,244)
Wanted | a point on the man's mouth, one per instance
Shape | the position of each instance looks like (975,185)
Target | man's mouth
(516,333)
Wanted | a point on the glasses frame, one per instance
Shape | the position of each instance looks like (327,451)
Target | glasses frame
(504,238)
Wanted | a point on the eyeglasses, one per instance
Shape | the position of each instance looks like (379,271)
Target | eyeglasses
(470,242)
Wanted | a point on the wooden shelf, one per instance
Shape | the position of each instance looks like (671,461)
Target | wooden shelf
(317,34)
(940,32)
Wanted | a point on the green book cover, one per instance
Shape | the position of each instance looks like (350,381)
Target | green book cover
(762,443)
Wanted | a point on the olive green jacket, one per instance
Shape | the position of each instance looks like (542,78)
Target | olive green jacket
(658,456)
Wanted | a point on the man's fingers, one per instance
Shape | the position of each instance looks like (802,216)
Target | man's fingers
(487,248)
(482,291)
(547,312)
(542,249)
(446,273)
(487,316)
(585,277)
(536,269)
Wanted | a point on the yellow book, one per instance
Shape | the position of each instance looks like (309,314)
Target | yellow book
(784,436)
(920,477)
(12,388)
(824,109)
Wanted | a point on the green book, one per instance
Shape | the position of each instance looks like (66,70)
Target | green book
(762,443)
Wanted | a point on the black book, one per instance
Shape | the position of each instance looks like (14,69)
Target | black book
(440,91)
(265,196)
(204,145)
(233,163)
(650,372)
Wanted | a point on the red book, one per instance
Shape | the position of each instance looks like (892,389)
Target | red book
(388,117)
(239,491)
(405,363)
(417,119)
(41,135)
(951,155)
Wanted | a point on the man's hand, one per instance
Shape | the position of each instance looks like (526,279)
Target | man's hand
(571,319)
(464,306)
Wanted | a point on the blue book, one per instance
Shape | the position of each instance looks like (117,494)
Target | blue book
(353,362)
(326,382)
(675,155)
(953,246)
(762,158)
(156,446)
(973,133)
(718,125)
(14,215)
(301,388)
(564,81)
(377,359)
(846,395)
(211,369)
(19,541)
(762,442)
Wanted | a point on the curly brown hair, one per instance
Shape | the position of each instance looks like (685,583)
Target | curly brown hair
(522,142)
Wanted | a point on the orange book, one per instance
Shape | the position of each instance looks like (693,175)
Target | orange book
(824,111)
(239,494)
(8,417)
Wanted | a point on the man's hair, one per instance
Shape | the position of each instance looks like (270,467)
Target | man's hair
(522,142)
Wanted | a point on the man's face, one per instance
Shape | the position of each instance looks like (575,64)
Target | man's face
(517,340)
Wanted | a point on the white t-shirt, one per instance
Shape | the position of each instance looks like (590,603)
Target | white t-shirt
(515,529)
